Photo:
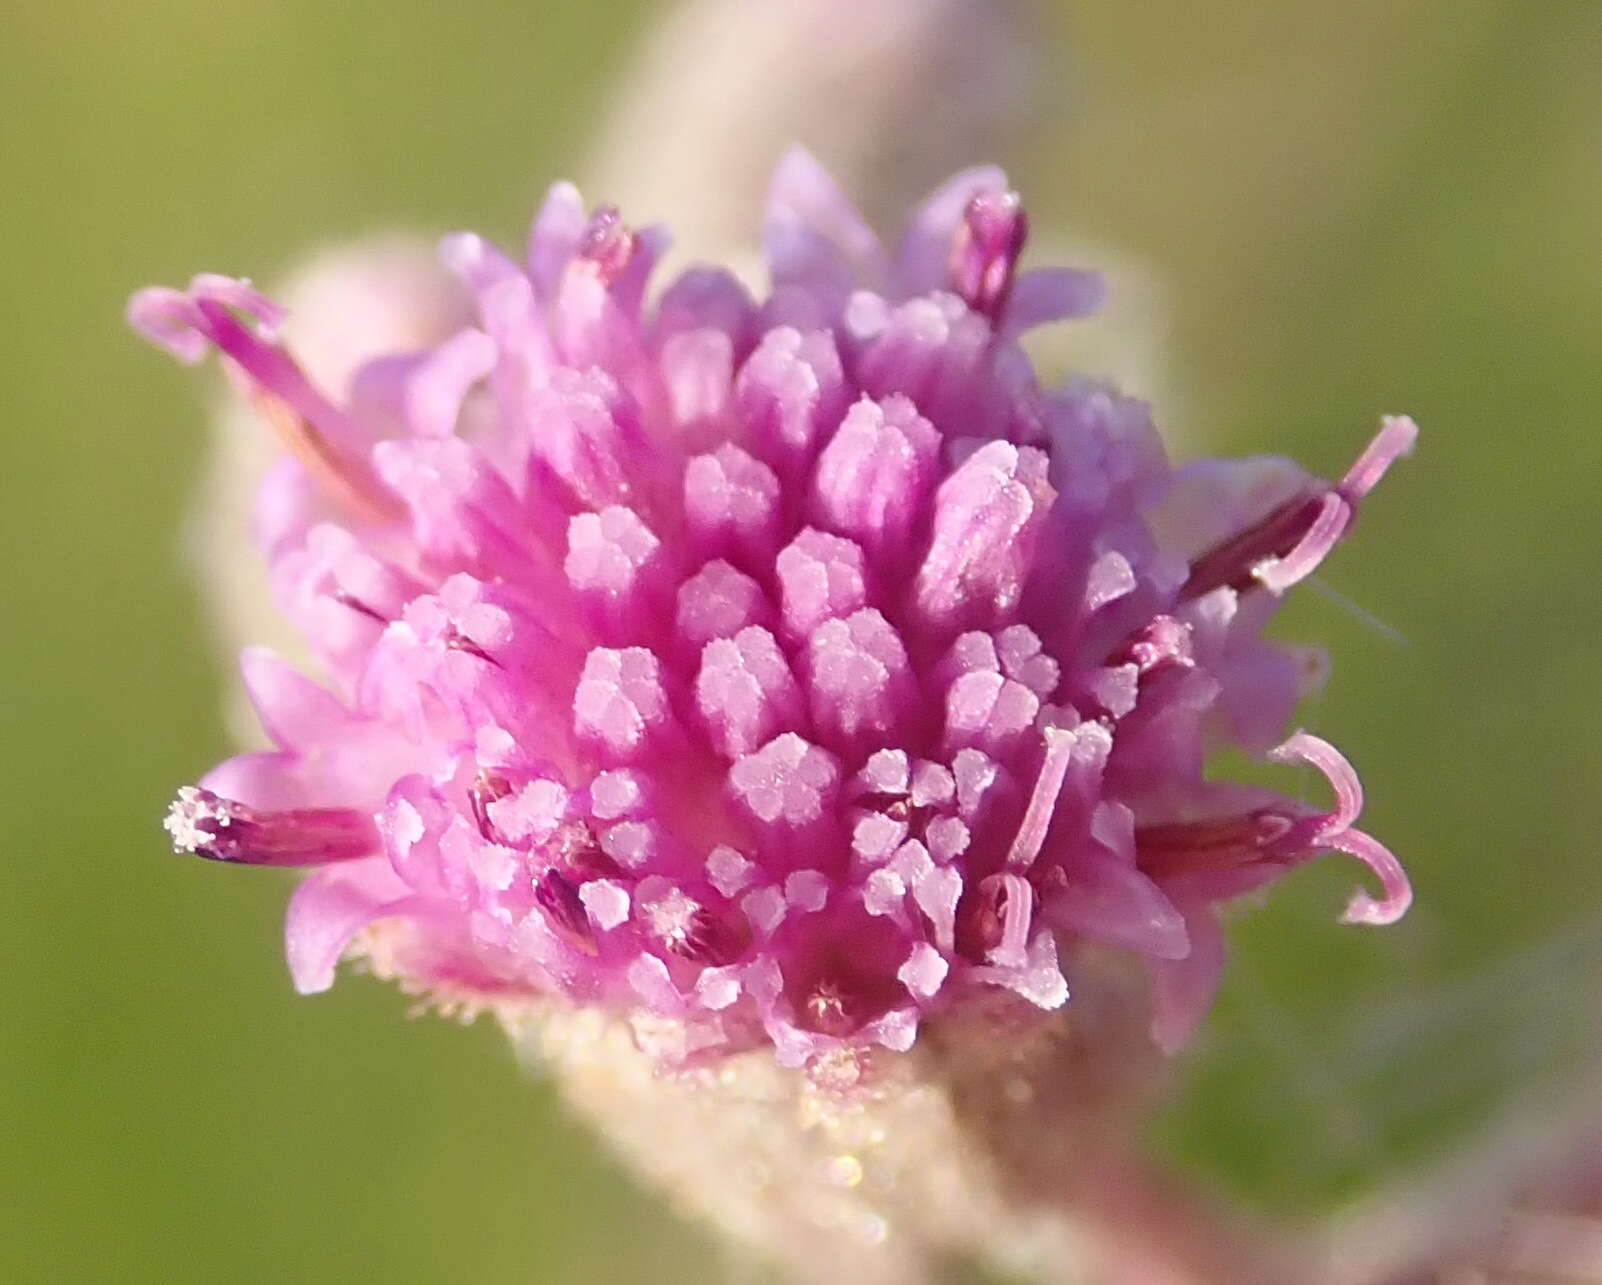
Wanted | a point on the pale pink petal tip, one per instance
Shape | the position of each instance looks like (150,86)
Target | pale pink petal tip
(1398,891)
(325,914)
(790,671)
(1281,573)
(1336,830)
(166,318)
(1185,988)
(1304,747)
(1397,437)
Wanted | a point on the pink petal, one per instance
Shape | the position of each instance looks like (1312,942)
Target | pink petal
(1183,989)
(327,911)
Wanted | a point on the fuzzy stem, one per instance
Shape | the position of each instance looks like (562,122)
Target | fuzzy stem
(999,1142)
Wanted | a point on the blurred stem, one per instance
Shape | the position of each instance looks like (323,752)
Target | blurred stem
(1006,1140)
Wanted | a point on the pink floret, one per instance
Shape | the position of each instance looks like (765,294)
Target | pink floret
(792,671)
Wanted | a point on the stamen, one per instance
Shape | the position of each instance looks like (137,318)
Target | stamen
(488,787)
(575,846)
(359,607)
(691,931)
(1210,844)
(1017,905)
(1284,837)
(984,257)
(456,640)
(993,922)
(558,897)
(309,425)
(1278,573)
(1236,561)
(1335,830)
(1031,836)
(1364,908)
(220,829)
(1289,543)
(606,243)
(829,1010)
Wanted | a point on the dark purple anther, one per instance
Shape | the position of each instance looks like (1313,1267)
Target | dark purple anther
(1157,645)
(488,787)
(979,918)
(456,640)
(1217,843)
(220,829)
(1235,562)
(984,258)
(558,897)
(984,915)
(574,846)
(606,243)
(358,606)
(1288,543)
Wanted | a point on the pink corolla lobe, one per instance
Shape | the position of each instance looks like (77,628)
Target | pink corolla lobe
(794,670)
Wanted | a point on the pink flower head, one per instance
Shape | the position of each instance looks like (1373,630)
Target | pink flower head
(783,671)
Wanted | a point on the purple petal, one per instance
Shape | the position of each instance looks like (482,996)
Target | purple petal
(1053,294)
(1109,901)
(813,236)
(1183,989)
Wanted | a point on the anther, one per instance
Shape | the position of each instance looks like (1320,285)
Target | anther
(488,787)
(558,897)
(829,1010)
(1212,843)
(995,917)
(691,931)
(358,606)
(606,244)
(1237,561)
(984,256)
(456,640)
(1031,836)
(1287,544)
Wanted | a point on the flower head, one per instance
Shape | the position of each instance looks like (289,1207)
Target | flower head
(783,671)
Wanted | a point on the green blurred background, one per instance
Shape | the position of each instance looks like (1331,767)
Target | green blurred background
(1353,208)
